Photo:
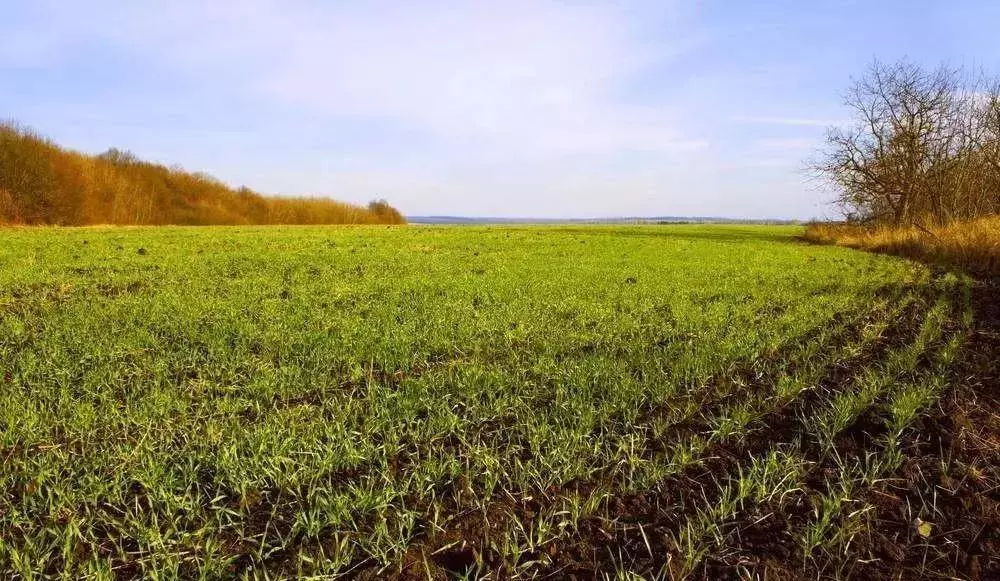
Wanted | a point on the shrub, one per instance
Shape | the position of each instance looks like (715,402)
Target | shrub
(973,245)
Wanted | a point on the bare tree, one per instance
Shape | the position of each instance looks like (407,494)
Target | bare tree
(985,140)
(924,148)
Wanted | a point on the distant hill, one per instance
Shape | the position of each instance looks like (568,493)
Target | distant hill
(42,183)
(473,220)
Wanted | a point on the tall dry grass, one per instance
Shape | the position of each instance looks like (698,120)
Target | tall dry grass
(973,245)
(42,183)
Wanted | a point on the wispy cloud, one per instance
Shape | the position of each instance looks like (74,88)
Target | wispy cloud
(509,77)
(791,121)
(786,144)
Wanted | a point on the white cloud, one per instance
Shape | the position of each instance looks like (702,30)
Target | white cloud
(793,121)
(794,145)
(514,78)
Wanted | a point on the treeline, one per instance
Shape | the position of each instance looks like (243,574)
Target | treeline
(924,149)
(42,183)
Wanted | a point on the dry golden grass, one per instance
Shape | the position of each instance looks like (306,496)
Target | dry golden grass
(973,245)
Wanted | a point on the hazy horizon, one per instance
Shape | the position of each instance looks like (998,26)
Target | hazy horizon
(518,109)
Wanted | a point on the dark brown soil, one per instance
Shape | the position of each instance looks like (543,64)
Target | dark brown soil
(951,477)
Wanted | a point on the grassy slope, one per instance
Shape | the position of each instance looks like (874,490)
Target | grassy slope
(410,401)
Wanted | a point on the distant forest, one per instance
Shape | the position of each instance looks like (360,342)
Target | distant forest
(43,183)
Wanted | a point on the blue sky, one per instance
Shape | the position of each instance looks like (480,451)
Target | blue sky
(501,108)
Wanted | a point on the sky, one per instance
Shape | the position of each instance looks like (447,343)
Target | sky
(519,108)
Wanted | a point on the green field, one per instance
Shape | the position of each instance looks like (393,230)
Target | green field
(282,402)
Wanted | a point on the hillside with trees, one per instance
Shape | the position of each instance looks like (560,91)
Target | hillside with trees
(43,183)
